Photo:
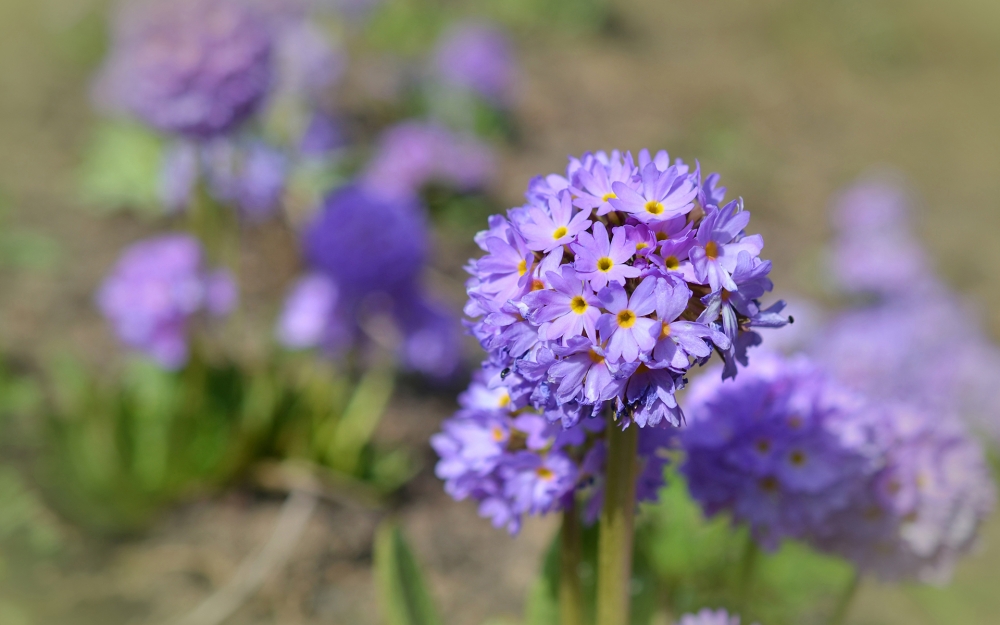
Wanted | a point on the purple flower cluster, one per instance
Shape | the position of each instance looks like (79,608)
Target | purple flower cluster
(922,509)
(874,250)
(515,462)
(611,283)
(915,341)
(250,176)
(476,58)
(709,617)
(782,448)
(196,68)
(350,288)
(412,154)
(897,488)
(155,290)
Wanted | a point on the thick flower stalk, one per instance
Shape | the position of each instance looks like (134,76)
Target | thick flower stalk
(156,289)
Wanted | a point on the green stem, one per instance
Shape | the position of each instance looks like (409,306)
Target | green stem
(570,591)
(839,615)
(614,549)
(748,566)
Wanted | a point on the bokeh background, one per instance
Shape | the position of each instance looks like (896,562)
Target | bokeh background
(791,99)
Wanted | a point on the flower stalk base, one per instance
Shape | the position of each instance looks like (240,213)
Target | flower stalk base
(614,549)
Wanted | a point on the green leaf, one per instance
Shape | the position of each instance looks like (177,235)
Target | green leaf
(121,168)
(402,591)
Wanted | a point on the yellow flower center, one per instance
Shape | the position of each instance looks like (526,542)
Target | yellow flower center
(605,264)
(769,484)
(497,434)
(595,357)
(665,330)
(537,285)
(672,263)
(504,400)
(626,319)
(578,305)
(560,232)
(795,421)
(522,267)
(661,236)
(654,208)
(712,250)
(797,458)
(763,446)
(641,245)
(545,474)
(608,196)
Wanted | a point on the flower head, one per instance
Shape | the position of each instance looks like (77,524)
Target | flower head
(155,290)
(478,58)
(709,617)
(197,68)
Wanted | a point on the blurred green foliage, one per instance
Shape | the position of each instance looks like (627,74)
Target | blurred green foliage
(114,452)
(403,595)
(120,168)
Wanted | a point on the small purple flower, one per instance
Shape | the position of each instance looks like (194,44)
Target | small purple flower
(718,244)
(477,58)
(197,68)
(662,195)
(709,617)
(308,316)
(678,340)
(625,327)
(155,290)
(594,180)
(178,176)
(570,308)
(583,373)
(601,260)
(412,154)
(548,229)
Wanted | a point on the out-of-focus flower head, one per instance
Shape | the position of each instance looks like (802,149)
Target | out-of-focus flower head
(613,281)
(921,511)
(875,250)
(479,58)
(516,463)
(366,255)
(251,176)
(156,288)
(195,68)
(782,448)
(709,617)
(413,154)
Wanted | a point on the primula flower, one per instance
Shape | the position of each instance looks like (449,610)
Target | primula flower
(625,326)
(663,195)
(348,285)
(566,309)
(718,244)
(477,58)
(196,68)
(783,448)
(546,230)
(577,360)
(601,260)
(709,617)
(155,290)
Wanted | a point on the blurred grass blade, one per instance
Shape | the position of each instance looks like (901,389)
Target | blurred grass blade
(360,418)
(402,592)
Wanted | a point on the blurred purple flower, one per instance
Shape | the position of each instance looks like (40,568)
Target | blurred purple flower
(196,68)
(874,249)
(413,154)
(322,135)
(155,289)
(709,617)
(478,58)
(367,255)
